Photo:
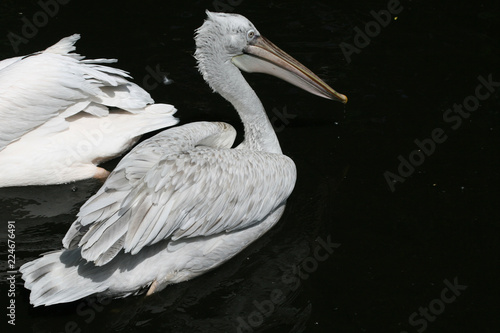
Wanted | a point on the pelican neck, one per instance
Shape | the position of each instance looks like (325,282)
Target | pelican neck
(230,84)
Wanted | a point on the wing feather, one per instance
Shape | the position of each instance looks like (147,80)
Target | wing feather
(217,203)
(180,192)
(56,83)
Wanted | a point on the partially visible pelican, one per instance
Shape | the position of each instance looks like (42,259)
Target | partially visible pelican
(55,121)
(183,202)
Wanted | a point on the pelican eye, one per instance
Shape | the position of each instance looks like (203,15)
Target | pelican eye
(250,34)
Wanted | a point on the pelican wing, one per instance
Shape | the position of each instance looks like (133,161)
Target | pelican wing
(55,84)
(200,191)
(105,204)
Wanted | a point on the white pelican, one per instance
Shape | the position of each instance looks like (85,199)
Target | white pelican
(55,125)
(183,202)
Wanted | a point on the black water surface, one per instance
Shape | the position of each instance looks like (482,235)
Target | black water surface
(397,246)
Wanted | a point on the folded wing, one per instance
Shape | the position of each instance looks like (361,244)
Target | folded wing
(202,189)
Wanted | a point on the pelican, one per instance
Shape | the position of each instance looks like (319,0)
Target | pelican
(183,202)
(56,125)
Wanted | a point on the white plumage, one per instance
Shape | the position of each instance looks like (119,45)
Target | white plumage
(55,118)
(182,202)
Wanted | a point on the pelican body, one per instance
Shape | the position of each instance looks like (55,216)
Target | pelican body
(61,115)
(183,201)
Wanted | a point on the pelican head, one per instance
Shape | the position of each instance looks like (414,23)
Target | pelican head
(226,40)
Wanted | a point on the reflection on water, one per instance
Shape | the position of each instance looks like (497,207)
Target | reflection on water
(396,248)
(46,201)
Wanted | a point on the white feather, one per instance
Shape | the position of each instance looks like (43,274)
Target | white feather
(55,111)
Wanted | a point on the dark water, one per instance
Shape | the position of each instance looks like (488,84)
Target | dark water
(393,254)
